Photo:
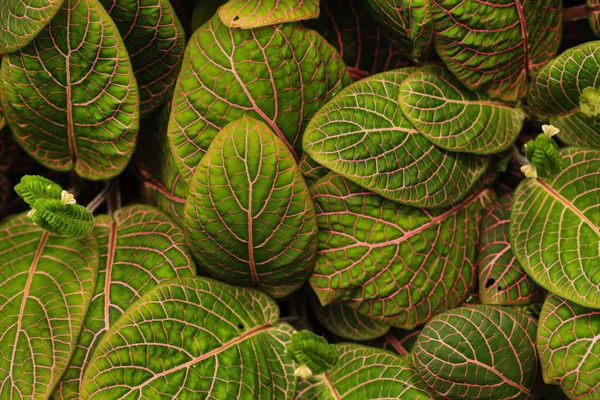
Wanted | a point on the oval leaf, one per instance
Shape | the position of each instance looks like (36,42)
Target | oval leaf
(247,14)
(22,20)
(365,373)
(496,52)
(478,352)
(208,340)
(351,29)
(73,104)
(363,135)
(155,41)
(567,340)
(554,93)
(555,228)
(346,322)
(248,213)
(408,22)
(163,185)
(502,280)
(227,74)
(454,118)
(418,263)
(47,283)
(138,247)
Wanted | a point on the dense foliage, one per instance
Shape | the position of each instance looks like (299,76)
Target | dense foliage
(299,199)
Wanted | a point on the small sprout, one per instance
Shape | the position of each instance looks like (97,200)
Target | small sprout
(53,208)
(589,102)
(543,154)
(312,352)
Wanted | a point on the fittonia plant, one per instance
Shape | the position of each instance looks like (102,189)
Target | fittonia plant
(261,199)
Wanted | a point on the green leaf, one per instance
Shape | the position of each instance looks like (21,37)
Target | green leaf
(2,119)
(478,352)
(47,284)
(400,264)
(346,322)
(498,49)
(229,73)
(312,352)
(73,104)
(555,228)
(352,30)
(54,216)
(408,22)
(139,247)
(502,280)
(22,20)
(35,187)
(555,93)
(163,185)
(365,373)
(155,41)
(194,338)
(567,340)
(594,17)
(247,14)
(399,341)
(363,135)
(454,118)
(248,214)
(311,170)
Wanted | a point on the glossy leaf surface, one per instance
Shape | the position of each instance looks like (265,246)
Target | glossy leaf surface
(363,135)
(478,352)
(497,51)
(502,280)
(455,118)
(248,213)
(393,262)
(138,248)
(73,104)
(408,22)
(365,373)
(346,322)
(163,185)
(351,29)
(209,340)
(281,75)
(22,20)
(555,228)
(155,41)
(46,286)
(555,93)
(248,14)
(567,341)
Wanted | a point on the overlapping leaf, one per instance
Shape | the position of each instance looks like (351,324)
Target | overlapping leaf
(155,41)
(346,322)
(194,338)
(569,346)
(496,51)
(46,286)
(351,29)
(247,14)
(408,22)
(555,228)
(594,17)
(454,118)
(399,341)
(554,93)
(363,135)
(138,247)
(365,373)
(22,20)
(70,97)
(478,352)
(248,213)
(281,74)
(163,185)
(311,170)
(393,262)
(502,280)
